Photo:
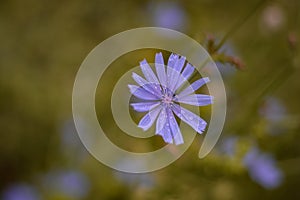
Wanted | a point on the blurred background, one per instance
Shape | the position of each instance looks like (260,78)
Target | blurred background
(256,46)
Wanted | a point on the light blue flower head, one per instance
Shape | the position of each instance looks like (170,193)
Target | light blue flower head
(160,96)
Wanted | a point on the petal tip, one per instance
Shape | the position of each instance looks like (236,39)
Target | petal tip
(158,54)
(143,62)
(143,127)
(206,79)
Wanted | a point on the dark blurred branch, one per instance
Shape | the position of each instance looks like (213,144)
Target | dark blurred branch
(233,60)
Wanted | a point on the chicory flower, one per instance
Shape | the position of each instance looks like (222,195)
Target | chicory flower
(160,97)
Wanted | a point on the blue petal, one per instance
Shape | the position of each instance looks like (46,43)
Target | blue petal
(148,73)
(185,75)
(176,133)
(161,120)
(141,93)
(139,80)
(160,69)
(170,67)
(147,121)
(172,60)
(193,87)
(174,73)
(179,64)
(167,127)
(166,133)
(144,106)
(196,99)
(188,71)
(150,87)
(197,123)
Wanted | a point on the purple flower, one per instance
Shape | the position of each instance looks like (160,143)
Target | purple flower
(262,169)
(161,98)
(275,113)
(71,183)
(168,15)
(21,192)
(273,110)
(228,145)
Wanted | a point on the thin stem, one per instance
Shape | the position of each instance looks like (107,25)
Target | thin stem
(239,23)
(230,32)
(282,75)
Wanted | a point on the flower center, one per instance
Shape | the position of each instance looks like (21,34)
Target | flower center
(167,99)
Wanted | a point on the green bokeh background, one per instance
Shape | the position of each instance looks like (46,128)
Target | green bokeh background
(43,44)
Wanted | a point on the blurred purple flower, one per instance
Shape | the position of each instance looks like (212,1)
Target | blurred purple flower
(274,112)
(262,169)
(71,183)
(168,15)
(160,98)
(21,192)
(228,145)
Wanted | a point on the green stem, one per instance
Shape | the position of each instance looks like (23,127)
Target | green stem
(230,32)
(239,23)
(282,75)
